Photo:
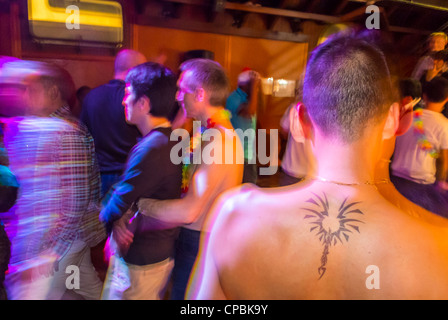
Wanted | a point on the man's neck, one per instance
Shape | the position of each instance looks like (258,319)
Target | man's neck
(149,123)
(120,76)
(350,164)
(435,107)
(214,113)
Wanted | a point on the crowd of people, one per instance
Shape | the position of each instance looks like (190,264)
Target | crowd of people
(363,181)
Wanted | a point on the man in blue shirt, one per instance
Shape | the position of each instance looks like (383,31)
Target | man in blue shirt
(242,104)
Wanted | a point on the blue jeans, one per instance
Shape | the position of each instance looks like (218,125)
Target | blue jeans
(187,248)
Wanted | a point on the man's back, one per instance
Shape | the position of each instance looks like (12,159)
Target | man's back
(325,242)
(103,114)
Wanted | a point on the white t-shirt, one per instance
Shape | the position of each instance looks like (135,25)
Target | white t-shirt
(298,159)
(410,161)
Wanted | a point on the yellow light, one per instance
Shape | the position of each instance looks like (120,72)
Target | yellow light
(40,10)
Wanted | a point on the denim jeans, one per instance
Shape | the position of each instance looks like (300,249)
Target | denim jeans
(187,248)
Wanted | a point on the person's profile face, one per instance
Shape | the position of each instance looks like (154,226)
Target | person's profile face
(184,95)
(129,103)
(436,43)
(35,96)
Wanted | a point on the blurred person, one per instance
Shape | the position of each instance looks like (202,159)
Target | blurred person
(297,161)
(202,92)
(410,96)
(324,238)
(103,114)
(141,267)
(420,163)
(439,68)
(242,104)
(55,219)
(8,196)
(81,93)
(436,42)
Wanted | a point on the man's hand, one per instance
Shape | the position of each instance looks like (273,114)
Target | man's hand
(145,206)
(42,266)
(442,186)
(121,235)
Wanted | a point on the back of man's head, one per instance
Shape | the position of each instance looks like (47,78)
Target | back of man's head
(436,90)
(125,60)
(50,74)
(158,83)
(410,87)
(209,75)
(347,85)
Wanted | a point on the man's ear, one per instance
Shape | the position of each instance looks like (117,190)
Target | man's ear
(53,92)
(199,94)
(299,122)
(392,121)
(144,103)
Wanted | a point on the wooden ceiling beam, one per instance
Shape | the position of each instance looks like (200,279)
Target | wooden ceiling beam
(282,12)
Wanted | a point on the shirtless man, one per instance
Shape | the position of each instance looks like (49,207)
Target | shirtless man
(202,91)
(332,236)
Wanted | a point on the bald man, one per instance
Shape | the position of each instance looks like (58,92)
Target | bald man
(103,114)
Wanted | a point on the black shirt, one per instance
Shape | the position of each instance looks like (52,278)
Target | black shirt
(103,114)
(149,173)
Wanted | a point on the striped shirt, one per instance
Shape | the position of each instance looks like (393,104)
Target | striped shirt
(54,161)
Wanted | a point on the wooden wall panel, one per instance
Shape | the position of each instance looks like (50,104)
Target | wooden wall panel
(271,58)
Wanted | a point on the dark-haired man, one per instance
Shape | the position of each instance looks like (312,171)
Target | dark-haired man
(202,90)
(420,162)
(142,265)
(332,236)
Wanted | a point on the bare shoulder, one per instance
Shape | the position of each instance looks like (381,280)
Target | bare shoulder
(260,235)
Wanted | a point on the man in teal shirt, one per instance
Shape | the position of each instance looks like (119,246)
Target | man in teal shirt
(242,104)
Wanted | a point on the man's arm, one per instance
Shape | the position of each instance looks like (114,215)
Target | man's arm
(207,183)
(142,175)
(74,174)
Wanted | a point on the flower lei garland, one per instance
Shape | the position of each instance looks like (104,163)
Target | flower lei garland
(195,141)
(423,142)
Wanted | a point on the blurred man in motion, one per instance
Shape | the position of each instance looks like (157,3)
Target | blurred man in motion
(55,220)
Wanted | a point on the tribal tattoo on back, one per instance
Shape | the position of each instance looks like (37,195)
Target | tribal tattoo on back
(331,224)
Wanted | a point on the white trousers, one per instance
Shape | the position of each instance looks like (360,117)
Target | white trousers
(76,273)
(125,281)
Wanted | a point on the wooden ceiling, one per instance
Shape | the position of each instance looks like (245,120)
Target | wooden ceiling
(408,21)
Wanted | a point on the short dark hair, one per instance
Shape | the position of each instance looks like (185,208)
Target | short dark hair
(347,84)
(410,87)
(436,90)
(209,75)
(158,83)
